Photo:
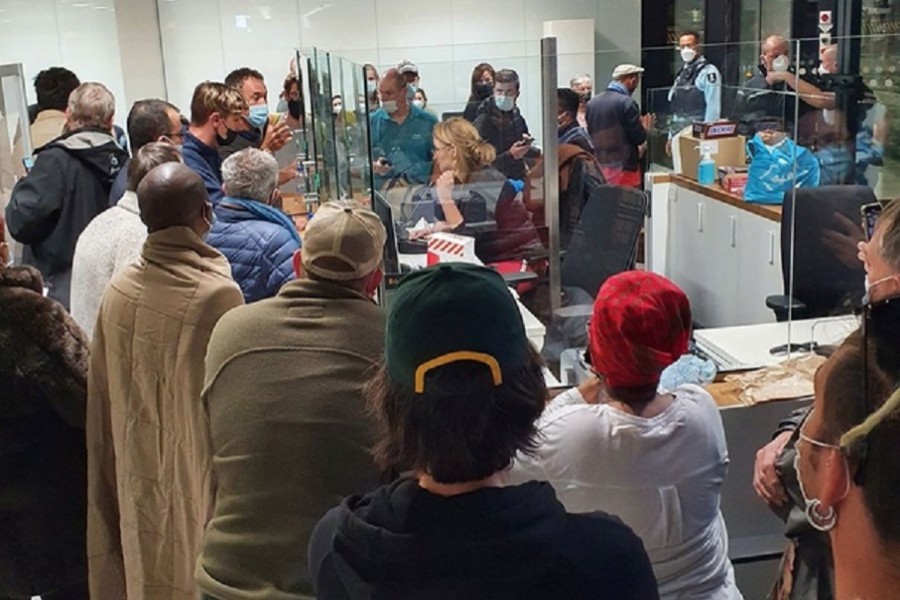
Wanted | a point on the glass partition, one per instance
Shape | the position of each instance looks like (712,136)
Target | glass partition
(15,136)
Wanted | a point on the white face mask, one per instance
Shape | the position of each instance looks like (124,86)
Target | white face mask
(389,106)
(781,63)
(688,54)
(337,108)
(419,103)
(371,86)
(504,103)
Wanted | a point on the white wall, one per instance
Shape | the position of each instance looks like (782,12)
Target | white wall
(79,35)
(205,39)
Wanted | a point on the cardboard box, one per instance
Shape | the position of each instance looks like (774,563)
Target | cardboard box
(726,152)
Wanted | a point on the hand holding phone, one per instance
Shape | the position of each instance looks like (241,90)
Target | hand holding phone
(870,214)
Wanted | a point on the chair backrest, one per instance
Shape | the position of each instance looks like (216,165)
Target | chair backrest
(826,225)
(449,114)
(604,241)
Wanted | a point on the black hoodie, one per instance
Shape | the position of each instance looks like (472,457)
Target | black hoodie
(68,186)
(403,542)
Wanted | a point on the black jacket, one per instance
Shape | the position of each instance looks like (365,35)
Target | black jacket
(43,392)
(402,542)
(502,130)
(68,186)
(614,123)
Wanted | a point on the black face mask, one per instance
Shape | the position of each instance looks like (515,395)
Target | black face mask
(484,90)
(295,108)
(585,96)
(228,139)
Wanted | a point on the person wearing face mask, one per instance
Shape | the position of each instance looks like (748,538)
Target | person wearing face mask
(767,95)
(150,486)
(287,419)
(420,99)
(583,85)
(617,129)
(569,130)
(807,568)
(482,89)
(400,135)
(262,133)
(501,124)
(846,463)
(218,113)
(68,186)
(411,72)
(258,240)
(696,94)
(372,79)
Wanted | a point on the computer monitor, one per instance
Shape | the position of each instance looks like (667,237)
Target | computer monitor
(391,255)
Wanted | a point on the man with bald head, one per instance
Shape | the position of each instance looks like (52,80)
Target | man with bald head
(401,134)
(150,491)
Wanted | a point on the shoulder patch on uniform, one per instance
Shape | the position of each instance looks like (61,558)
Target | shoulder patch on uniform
(711,77)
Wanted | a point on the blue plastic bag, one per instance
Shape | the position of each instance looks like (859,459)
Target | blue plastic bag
(772,170)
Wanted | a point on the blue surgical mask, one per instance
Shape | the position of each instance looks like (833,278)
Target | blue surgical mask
(371,86)
(504,103)
(411,90)
(258,115)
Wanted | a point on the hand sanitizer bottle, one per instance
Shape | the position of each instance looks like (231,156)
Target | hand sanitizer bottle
(706,170)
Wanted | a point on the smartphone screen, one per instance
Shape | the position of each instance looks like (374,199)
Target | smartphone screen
(870,214)
(28,163)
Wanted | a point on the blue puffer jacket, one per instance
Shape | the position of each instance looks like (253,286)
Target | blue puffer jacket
(260,251)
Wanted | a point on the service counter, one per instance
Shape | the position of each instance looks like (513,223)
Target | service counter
(723,252)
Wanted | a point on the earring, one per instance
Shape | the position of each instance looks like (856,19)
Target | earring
(824,522)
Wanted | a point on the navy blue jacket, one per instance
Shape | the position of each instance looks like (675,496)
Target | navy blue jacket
(205,161)
(260,252)
(614,123)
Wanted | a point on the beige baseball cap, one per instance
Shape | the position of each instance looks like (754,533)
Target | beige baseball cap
(625,70)
(343,242)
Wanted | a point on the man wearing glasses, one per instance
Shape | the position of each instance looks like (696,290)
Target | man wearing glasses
(811,568)
(148,121)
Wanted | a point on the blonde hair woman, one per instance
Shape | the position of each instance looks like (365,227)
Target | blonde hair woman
(473,198)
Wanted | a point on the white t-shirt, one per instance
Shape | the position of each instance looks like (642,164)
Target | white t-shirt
(662,476)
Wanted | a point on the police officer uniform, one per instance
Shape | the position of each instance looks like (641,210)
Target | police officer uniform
(696,94)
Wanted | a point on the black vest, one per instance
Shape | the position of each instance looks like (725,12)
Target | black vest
(688,102)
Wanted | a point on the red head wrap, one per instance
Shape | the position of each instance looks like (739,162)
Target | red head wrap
(641,325)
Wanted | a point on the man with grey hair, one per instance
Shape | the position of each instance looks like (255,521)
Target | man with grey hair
(288,425)
(583,85)
(68,186)
(256,237)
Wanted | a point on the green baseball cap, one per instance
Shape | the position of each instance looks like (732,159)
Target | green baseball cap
(453,312)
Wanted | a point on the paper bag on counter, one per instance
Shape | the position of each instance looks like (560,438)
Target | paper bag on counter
(790,379)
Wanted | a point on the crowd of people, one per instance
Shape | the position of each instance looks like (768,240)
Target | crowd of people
(200,400)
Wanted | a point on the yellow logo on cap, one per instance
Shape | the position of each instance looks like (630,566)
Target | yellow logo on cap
(453,357)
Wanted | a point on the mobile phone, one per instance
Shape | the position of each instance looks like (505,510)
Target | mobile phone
(28,163)
(528,139)
(870,214)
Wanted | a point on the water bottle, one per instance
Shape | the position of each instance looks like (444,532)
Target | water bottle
(706,170)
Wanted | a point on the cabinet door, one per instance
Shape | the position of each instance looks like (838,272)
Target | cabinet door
(702,256)
(716,268)
(759,241)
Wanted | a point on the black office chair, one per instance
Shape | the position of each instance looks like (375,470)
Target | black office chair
(603,242)
(824,285)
